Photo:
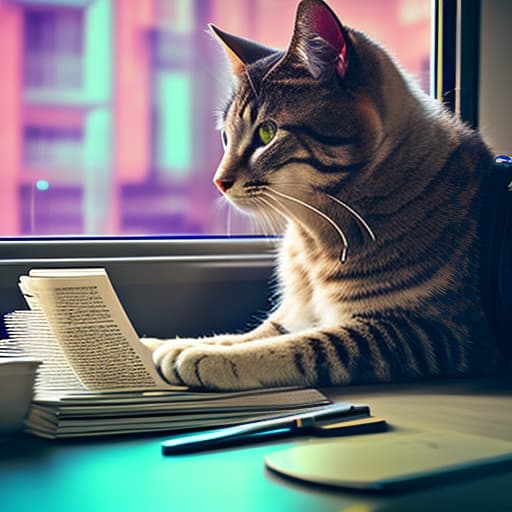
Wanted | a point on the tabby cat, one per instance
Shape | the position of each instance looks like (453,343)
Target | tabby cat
(379,188)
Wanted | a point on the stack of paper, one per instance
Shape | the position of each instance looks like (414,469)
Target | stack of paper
(90,414)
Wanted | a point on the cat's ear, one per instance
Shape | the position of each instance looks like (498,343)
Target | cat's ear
(239,50)
(320,40)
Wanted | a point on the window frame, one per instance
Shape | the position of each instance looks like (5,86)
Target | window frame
(456,56)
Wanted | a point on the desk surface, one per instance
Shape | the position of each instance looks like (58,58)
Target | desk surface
(131,474)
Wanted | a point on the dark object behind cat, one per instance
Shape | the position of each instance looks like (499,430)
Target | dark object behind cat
(496,255)
(380,190)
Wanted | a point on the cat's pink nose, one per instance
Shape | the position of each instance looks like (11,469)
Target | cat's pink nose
(224,184)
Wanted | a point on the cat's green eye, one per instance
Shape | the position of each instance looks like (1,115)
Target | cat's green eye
(266,132)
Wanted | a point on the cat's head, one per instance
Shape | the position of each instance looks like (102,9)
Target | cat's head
(307,119)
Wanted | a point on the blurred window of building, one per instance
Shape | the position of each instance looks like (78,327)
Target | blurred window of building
(54,48)
(52,147)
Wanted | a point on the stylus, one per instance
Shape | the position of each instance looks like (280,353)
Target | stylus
(335,419)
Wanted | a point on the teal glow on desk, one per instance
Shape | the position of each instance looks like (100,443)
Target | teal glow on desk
(128,474)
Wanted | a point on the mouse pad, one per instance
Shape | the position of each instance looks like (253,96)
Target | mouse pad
(392,461)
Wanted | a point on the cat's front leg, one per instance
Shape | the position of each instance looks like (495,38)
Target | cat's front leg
(365,350)
(280,359)
(222,367)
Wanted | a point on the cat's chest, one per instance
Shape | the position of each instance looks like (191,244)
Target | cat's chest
(325,303)
(308,286)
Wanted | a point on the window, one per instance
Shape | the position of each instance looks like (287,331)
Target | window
(52,147)
(110,112)
(53,49)
(88,158)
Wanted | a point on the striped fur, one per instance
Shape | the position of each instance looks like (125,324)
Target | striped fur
(352,309)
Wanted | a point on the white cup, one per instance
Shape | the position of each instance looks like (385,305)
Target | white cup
(17,377)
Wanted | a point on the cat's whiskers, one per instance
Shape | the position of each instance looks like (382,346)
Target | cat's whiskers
(256,192)
(355,214)
(283,211)
(339,231)
(340,202)
(264,217)
(269,225)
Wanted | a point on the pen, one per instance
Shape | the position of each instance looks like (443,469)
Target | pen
(335,419)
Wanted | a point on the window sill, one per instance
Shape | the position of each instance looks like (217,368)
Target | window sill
(169,287)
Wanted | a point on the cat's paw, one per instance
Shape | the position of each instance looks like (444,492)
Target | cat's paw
(202,362)
(165,355)
(199,365)
(209,367)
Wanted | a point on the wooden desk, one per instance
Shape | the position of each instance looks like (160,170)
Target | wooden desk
(131,474)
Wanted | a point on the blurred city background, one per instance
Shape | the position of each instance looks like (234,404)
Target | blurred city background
(107,107)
